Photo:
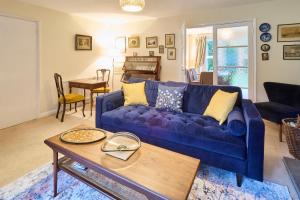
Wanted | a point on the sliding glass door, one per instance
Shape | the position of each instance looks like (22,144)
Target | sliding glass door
(233,56)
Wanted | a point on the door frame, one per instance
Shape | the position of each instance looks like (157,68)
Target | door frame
(38,59)
(251,53)
(253,61)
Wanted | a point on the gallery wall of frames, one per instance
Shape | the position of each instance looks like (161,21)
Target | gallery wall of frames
(287,34)
(165,47)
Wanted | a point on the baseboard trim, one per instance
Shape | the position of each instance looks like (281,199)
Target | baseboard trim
(47,113)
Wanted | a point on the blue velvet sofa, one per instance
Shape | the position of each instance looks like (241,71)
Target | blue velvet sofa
(190,132)
(284,102)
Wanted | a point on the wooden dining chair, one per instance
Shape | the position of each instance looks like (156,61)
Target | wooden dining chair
(66,98)
(102,75)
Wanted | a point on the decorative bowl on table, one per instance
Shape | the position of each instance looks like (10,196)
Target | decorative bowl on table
(83,135)
(121,141)
(121,145)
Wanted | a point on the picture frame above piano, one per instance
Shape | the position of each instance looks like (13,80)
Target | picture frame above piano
(152,42)
(170,40)
(134,42)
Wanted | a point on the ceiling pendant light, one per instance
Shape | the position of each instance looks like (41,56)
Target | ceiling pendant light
(132,5)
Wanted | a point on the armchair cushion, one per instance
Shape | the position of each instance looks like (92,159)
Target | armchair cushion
(275,112)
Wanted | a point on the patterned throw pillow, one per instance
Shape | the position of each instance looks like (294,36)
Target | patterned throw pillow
(170,98)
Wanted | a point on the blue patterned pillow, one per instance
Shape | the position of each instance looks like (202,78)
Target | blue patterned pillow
(170,98)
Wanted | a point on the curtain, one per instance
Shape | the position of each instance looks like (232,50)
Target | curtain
(196,51)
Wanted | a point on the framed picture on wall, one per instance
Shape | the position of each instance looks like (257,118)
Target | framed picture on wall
(291,52)
(83,42)
(161,49)
(134,42)
(171,54)
(288,32)
(170,40)
(152,42)
(265,56)
(151,53)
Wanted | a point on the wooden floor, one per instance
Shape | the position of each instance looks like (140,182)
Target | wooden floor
(22,148)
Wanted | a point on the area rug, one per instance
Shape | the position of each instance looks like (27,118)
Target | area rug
(211,183)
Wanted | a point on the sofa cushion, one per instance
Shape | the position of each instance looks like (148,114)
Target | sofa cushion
(134,93)
(275,112)
(179,128)
(220,105)
(236,122)
(197,97)
(170,98)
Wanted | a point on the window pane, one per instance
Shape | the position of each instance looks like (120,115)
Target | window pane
(209,65)
(245,93)
(209,55)
(235,36)
(209,47)
(234,57)
(233,76)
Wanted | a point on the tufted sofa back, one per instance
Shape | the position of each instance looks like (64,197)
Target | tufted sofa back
(196,97)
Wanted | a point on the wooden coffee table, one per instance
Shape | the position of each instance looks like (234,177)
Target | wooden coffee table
(152,171)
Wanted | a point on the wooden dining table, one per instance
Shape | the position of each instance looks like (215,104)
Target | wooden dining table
(87,84)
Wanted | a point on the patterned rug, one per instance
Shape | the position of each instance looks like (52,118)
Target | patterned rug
(211,183)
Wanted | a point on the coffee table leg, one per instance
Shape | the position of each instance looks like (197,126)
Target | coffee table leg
(55,170)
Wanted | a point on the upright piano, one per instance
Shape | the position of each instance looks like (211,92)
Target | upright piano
(144,67)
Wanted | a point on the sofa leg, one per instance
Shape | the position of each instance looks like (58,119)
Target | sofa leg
(239,180)
(280,133)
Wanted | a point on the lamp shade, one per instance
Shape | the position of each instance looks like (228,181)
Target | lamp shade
(132,5)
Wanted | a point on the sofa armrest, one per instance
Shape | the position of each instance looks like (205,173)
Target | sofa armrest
(106,103)
(255,139)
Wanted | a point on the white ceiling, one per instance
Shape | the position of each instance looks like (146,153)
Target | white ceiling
(110,9)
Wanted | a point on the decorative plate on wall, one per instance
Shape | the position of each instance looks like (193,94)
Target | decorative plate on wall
(265,47)
(265,37)
(265,27)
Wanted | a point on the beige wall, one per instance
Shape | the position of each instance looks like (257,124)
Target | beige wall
(57,31)
(273,12)
(171,69)
(57,52)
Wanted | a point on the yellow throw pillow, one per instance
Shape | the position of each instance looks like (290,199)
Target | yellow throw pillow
(220,105)
(134,94)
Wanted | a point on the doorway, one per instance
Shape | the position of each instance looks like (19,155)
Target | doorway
(19,72)
(229,54)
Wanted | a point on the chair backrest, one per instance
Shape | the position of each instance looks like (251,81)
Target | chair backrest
(192,75)
(59,85)
(103,75)
(206,78)
(283,93)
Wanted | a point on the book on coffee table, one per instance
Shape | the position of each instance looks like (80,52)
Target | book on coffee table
(123,155)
